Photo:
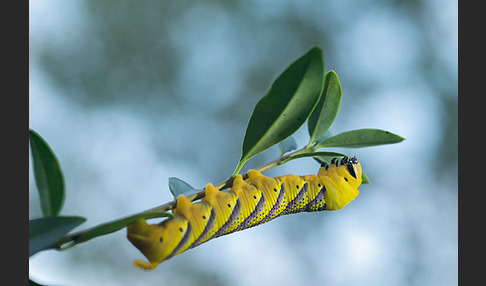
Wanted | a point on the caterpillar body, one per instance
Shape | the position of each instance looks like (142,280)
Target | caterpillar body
(247,203)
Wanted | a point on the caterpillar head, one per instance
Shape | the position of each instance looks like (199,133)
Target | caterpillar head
(157,242)
(342,179)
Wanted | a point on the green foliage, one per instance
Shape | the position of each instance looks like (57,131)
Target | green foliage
(287,145)
(44,232)
(32,283)
(286,105)
(262,130)
(360,138)
(112,226)
(179,187)
(301,93)
(48,175)
(50,231)
(327,108)
(365,179)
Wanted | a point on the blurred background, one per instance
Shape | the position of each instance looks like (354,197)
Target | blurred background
(130,94)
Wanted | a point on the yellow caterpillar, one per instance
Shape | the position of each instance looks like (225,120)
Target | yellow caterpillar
(246,204)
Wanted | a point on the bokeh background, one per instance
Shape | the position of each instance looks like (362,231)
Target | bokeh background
(130,93)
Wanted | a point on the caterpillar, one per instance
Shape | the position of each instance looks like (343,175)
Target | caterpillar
(246,204)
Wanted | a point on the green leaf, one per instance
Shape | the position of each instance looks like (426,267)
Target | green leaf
(179,187)
(45,232)
(112,226)
(48,175)
(285,106)
(360,138)
(287,145)
(323,157)
(326,109)
(317,155)
(365,179)
(32,283)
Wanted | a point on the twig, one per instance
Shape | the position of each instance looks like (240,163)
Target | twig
(304,152)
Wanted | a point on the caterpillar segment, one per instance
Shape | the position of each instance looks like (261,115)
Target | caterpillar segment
(223,204)
(247,203)
(273,194)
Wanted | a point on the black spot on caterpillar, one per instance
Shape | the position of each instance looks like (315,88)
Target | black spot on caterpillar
(247,203)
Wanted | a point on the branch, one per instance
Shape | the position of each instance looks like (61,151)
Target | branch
(162,210)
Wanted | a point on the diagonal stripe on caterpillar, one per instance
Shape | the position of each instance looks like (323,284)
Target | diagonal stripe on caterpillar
(247,203)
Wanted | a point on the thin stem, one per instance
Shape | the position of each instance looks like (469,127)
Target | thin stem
(304,152)
(228,182)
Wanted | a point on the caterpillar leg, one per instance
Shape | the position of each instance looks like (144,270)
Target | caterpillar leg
(145,265)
